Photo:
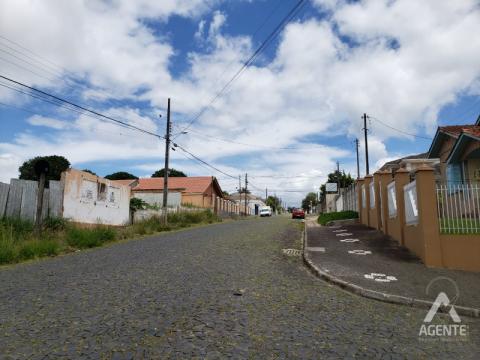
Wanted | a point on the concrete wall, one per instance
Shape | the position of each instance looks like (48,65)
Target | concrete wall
(94,200)
(460,252)
(155,198)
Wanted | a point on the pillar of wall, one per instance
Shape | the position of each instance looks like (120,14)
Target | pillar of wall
(378,201)
(428,216)
(362,217)
(214,203)
(384,179)
(402,178)
(367,180)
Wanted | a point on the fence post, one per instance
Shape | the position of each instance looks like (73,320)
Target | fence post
(361,214)
(428,216)
(366,181)
(378,205)
(402,178)
(385,177)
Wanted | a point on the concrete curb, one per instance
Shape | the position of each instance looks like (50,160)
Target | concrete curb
(377,295)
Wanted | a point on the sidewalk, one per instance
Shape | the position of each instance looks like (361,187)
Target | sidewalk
(365,261)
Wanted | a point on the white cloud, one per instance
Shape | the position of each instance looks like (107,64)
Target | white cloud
(38,120)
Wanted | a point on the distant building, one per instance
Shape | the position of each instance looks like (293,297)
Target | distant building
(198,191)
(458,149)
(254,203)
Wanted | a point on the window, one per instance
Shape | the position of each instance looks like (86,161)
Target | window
(454,174)
(101,192)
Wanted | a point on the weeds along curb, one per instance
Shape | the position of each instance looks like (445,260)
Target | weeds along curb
(378,295)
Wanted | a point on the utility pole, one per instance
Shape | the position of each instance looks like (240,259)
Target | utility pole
(246,186)
(165,169)
(365,129)
(357,146)
(266,194)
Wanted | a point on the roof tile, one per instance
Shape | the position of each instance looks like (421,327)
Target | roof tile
(195,184)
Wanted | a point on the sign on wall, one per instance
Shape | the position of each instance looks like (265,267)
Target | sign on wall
(392,200)
(411,205)
(372,196)
(364,197)
(331,187)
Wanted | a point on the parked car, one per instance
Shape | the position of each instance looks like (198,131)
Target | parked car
(298,214)
(265,211)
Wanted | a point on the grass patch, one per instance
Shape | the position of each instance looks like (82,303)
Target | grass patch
(19,241)
(87,238)
(460,226)
(324,219)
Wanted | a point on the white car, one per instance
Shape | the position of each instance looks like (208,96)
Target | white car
(265,211)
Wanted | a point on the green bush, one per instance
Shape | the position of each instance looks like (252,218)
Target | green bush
(55,223)
(88,238)
(323,219)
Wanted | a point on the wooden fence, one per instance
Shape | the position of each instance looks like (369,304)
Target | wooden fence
(19,199)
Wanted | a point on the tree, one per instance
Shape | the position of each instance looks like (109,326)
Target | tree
(225,193)
(121,175)
(89,171)
(310,199)
(337,177)
(171,172)
(274,202)
(56,165)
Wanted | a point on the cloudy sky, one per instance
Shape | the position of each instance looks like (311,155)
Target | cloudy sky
(410,65)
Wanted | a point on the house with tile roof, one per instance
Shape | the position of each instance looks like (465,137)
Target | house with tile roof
(458,149)
(198,191)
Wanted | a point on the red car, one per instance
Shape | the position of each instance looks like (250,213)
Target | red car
(298,214)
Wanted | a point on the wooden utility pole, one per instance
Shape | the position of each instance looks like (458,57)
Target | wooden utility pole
(357,145)
(246,187)
(365,129)
(167,156)
(266,194)
(338,177)
(41,170)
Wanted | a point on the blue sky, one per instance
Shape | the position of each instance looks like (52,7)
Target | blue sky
(306,92)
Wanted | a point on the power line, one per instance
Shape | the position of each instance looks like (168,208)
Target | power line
(291,14)
(203,161)
(258,145)
(37,91)
(401,131)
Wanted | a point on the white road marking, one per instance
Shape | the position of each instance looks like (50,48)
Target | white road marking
(349,240)
(380,277)
(345,234)
(360,252)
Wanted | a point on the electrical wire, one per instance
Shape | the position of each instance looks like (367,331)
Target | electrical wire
(289,17)
(203,161)
(37,91)
(401,131)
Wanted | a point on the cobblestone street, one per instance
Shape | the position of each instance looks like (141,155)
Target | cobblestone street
(219,291)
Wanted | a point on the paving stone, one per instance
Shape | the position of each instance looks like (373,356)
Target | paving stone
(170,296)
